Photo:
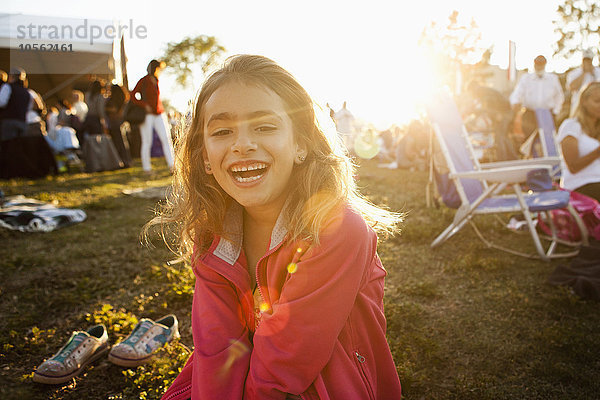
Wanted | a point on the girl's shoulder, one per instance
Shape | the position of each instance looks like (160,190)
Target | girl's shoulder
(346,222)
(569,127)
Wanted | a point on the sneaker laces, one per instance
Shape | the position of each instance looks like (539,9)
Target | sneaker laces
(71,345)
(139,331)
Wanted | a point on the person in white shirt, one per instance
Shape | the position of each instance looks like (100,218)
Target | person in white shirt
(579,138)
(79,108)
(539,89)
(581,76)
(344,122)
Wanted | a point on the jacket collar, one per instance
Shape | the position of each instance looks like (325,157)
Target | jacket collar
(229,249)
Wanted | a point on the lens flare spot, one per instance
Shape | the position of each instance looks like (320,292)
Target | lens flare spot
(264,307)
(366,145)
(299,250)
(292,267)
(236,351)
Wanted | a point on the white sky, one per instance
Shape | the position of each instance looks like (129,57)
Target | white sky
(364,52)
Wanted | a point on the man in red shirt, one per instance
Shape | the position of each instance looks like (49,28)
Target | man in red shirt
(147,94)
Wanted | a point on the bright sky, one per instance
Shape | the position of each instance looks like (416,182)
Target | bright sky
(362,52)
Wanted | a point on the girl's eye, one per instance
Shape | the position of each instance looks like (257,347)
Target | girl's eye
(221,132)
(266,128)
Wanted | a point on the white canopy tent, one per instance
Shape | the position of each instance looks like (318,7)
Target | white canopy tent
(60,54)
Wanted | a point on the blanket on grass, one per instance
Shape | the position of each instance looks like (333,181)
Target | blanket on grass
(19,213)
(582,274)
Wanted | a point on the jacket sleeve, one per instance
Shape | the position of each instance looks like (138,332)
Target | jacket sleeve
(5,92)
(139,88)
(293,344)
(221,344)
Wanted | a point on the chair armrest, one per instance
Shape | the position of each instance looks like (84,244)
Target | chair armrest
(503,175)
(553,161)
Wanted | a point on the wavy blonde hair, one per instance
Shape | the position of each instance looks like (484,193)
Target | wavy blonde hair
(324,181)
(582,115)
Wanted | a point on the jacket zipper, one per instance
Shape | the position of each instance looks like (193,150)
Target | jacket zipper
(299,252)
(361,360)
(177,393)
(262,296)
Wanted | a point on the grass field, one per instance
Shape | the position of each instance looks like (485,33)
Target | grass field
(464,321)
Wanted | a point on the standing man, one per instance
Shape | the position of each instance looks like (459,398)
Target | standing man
(14,102)
(539,89)
(581,76)
(149,98)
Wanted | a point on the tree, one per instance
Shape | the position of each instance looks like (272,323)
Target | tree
(181,57)
(454,47)
(577,27)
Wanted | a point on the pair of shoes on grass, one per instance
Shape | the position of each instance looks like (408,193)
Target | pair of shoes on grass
(83,348)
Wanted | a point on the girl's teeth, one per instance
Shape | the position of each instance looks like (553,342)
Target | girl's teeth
(250,179)
(248,168)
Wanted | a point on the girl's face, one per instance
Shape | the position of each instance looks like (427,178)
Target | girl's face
(592,103)
(249,143)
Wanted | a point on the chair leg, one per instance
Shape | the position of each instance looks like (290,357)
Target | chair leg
(527,214)
(460,219)
(442,237)
(450,231)
(462,216)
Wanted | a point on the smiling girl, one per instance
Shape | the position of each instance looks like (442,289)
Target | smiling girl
(288,300)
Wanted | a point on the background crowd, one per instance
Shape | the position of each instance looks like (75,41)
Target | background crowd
(501,123)
(95,131)
(106,127)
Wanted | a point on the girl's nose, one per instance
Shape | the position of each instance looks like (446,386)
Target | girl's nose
(244,142)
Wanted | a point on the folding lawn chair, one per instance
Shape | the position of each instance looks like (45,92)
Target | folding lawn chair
(479,188)
(544,135)
(541,144)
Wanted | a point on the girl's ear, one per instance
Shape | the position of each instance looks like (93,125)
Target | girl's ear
(207,167)
(301,153)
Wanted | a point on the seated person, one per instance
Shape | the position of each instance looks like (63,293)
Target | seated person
(386,141)
(64,143)
(492,106)
(579,140)
(411,149)
(63,137)
(530,147)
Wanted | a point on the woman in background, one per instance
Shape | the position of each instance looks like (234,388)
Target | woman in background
(579,139)
(98,149)
(114,113)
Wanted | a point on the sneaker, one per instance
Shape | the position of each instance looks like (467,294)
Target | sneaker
(80,350)
(144,341)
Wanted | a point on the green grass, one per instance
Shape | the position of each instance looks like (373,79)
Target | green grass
(464,321)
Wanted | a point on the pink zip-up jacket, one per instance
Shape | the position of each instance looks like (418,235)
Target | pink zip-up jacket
(321,333)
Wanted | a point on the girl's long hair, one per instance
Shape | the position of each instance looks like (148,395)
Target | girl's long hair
(582,115)
(195,209)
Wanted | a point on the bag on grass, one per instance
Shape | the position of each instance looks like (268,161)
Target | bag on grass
(566,228)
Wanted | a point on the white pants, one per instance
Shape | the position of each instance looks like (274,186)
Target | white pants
(159,124)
